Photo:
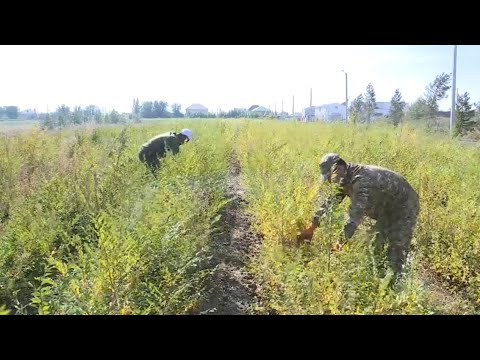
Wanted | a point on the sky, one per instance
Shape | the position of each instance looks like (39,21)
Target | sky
(225,76)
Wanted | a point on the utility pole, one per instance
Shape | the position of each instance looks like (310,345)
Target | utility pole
(293,106)
(310,110)
(454,99)
(346,96)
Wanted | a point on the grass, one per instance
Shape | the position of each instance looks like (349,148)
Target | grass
(281,177)
(85,229)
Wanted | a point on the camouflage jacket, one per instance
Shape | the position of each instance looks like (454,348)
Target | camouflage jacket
(160,144)
(374,192)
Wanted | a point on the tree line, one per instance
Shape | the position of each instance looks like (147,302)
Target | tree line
(155,109)
(63,116)
(9,112)
(361,110)
(424,108)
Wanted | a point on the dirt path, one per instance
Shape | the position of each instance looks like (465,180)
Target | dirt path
(232,289)
(440,297)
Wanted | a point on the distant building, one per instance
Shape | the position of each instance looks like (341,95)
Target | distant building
(445,114)
(28,114)
(282,114)
(336,111)
(382,110)
(196,109)
(259,111)
(327,112)
(333,112)
(311,113)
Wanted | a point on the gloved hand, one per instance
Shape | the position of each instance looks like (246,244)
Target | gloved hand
(336,247)
(306,234)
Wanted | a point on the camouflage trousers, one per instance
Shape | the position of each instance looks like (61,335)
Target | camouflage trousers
(396,229)
(152,162)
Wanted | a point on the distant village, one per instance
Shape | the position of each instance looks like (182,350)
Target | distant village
(327,112)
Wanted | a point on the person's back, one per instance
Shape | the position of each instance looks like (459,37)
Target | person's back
(385,191)
(160,144)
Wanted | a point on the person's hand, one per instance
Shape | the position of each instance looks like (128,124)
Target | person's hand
(336,247)
(306,234)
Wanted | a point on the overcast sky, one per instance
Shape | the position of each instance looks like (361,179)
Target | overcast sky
(224,76)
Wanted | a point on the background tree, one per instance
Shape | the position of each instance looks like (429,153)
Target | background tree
(63,115)
(48,122)
(357,109)
(397,105)
(370,103)
(434,92)
(465,121)
(418,110)
(114,117)
(160,109)
(176,110)
(147,109)
(77,115)
(11,112)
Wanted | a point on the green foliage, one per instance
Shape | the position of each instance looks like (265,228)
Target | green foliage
(419,109)
(114,117)
(201,115)
(281,177)
(136,107)
(154,109)
(370,103)
(357,109)
(396,108)
(176,111)
(147,109)
(88,230)
(11,112)
(363,106)
(434,92)
(78,116)
(64,117)
(465,121)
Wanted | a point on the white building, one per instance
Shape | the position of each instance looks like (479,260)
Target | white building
(336,111)
(327,112)
(196,109)
(382,110)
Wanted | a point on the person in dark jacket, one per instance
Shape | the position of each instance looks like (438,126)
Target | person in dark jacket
(157,148)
